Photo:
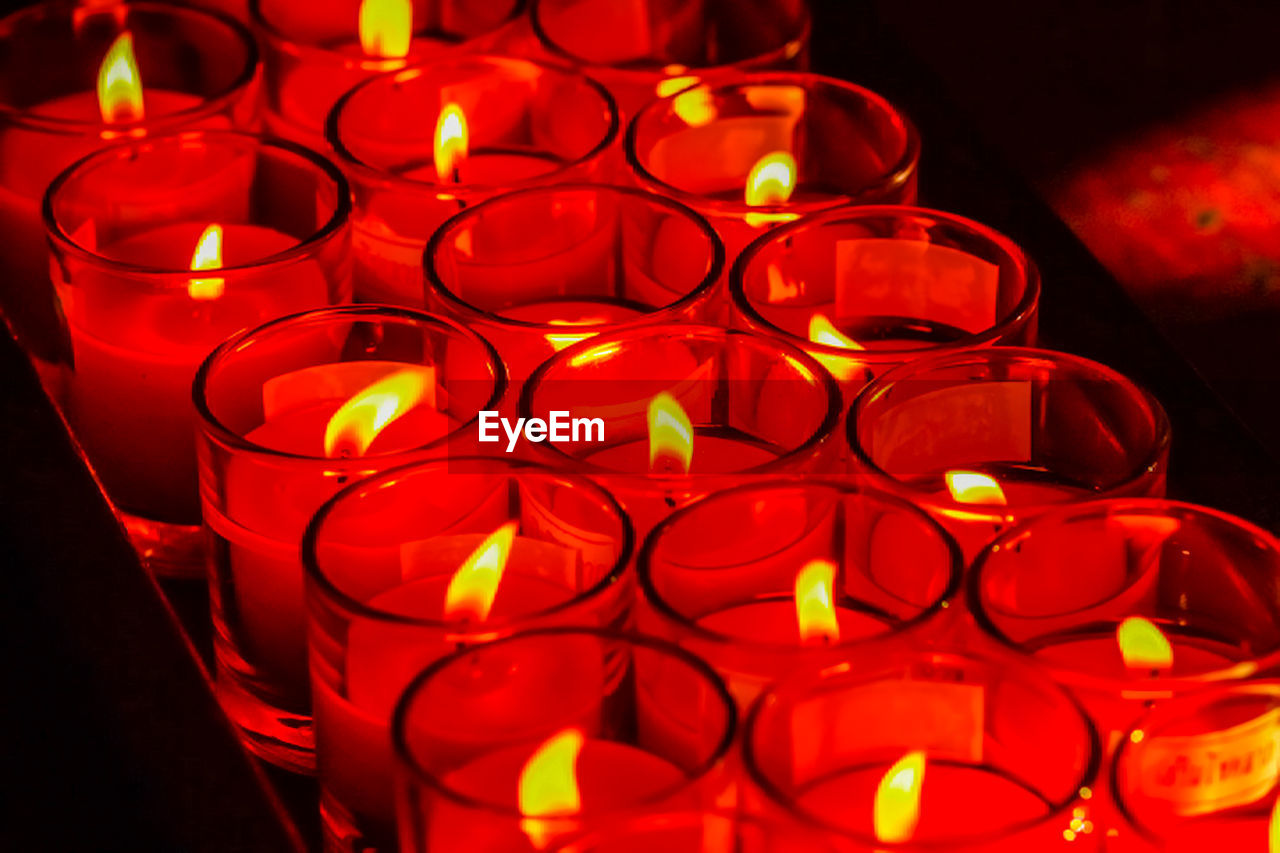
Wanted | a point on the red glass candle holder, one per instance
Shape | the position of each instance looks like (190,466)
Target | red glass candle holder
(1130,602)
(627,723)
(767,148)
(1201,772)
(422,144)
(754,406)
(652,48)
(124,225)
(699,832)
(538,270)
(984,438)
(734,577)
(197,70)
(290,413)
(924,751)
(863,289)
(384,561)
(313,54)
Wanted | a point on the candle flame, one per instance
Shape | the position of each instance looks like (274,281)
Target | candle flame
(823,331)
(897,804)
(386,28)
(475,584)
(360,419)
(815,610)
(207,256)
(670,432)
(1142,645)
(548,787)
(971,487)
(1273,829)
(119,84)
(771,180)
(451,142)
(561,340)
(695,106)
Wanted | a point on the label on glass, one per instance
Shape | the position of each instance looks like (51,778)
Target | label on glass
(338,381)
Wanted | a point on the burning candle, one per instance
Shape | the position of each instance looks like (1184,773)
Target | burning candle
(422,144)
(52,114)
(1131,602)
(686,410)
(311,55)
(289,414)
(863,289)
(412,565)
(985,438)
(698,832)
(538,270)
(761,579)
(764,149)
(650,48)
(128,227)
(536,770)
(932,749)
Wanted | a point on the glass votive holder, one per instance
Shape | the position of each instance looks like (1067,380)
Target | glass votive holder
(538,270)
(194,70)
(864,289)
(421,561)
(709,831)
(924,751)
(313,53)
(290,413)
(422,144)
(681,411)
(127,226)
(534,739)
(1132,601)
(767,148)
(762,578)
(653,48)
(1201,772)
(985,438)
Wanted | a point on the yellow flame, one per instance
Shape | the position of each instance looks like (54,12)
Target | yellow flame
(815,607)
(451,142)
(897,804)
(823,331)
(695,106)
(670,432)
(668,86)
(548,787)
(561,340)
(475,584)
(771,180)
(119,84)
(207,256)
(971,487)
(358,421)
(1142,645)
(1273,829)
(386,28)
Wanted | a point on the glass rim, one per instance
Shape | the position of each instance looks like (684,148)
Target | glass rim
(210,424)
(1020,314)
(1197,700)
(644,574)
(825,431)
(811,676)
(766,58)
(1108,507)
(894,177)
(435,282)
(61,238)
(408,761)
(643,822)
(333,131)
(315,573)
(206,107)
(317,52)
(948,358)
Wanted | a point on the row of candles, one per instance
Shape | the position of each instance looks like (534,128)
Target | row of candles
(833,573)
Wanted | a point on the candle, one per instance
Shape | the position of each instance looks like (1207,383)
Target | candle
(54,118)
(290,414)
(422,144)
(540,269)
